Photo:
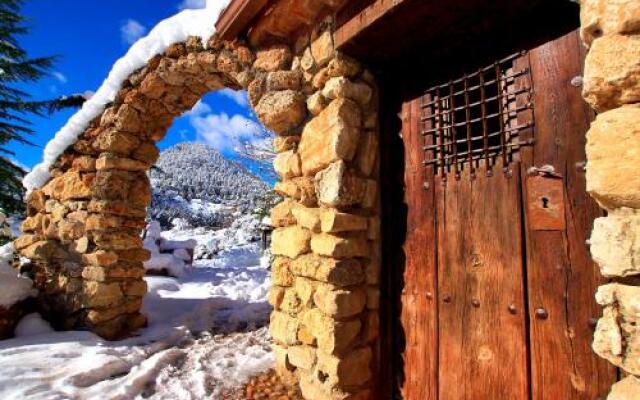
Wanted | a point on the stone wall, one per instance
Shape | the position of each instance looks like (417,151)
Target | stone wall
(611,30)
(83,227)
(326,270)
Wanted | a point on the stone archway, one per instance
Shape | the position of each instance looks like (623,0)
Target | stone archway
(83,227)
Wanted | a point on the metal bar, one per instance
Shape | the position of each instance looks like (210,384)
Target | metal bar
(508,79)
(468,118)
(454,133)
(503,139)
(485,128)
(505,113)
(490,135)
(439,134)
(479,153)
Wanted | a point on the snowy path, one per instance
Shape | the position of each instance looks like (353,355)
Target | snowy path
(181,355)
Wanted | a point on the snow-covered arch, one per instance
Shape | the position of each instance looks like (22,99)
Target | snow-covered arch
(87,201)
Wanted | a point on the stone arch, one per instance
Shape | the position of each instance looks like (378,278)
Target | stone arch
(83,227)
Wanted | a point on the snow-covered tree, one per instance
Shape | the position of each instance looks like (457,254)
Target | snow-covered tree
(5,230)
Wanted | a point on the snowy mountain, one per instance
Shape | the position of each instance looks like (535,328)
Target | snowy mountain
(195,183)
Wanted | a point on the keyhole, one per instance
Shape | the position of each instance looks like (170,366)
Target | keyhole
(545,202)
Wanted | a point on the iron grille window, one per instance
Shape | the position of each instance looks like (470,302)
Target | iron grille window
(473,121)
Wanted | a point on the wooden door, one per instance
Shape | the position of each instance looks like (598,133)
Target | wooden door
(498,289)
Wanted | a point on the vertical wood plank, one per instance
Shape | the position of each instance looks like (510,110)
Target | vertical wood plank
(419,305)
(483,353)
(561,277)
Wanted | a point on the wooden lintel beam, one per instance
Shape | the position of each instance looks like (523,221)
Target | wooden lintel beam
(364,20)
(235,19)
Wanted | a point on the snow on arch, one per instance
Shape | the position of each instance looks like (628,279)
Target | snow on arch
(172,30)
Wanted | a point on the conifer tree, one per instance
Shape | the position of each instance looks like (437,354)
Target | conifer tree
(16,105)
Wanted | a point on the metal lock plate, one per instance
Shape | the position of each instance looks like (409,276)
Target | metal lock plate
(545,203)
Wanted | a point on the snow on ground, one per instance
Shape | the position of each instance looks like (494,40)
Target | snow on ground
(206,335)
(13,287)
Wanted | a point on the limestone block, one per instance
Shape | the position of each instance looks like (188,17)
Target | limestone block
(147,152)
(84,164)
(25,241)
(320,79)
(371,327)
(612,72)
(305,288)
(308,218)
(98,222)
(43,250)
(284,80)
(287,165)
(351,246)
(367,153)
(134,287)
(284,369)
(322,49)
(71,185)
(354,369)
(302,356)
(127,119)
(316,103)
(324,269)
(372,268)
(99,294)
(342,87)
(373,298)
(613,154)
(273,59)
(285,143)
(626,389)
(283,328)
(340,303)
(114,141)
(100,258)
(615,243)
(302,189)
(291,303)
(275,296)
(121,240)
(307,63)
(282,213)
(333,337)
(333,221)
(338,187)
(608,17)
(101,315)
(291,241)
(256,89)
(111,161)
(331,136)
(617,338)
(282,111)
(281,272)
(342,65)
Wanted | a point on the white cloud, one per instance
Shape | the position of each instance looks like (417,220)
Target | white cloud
(132,30)
(193,4)
(238,96)
(222,131)
(60,77)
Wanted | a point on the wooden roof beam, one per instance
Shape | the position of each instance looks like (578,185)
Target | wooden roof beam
(237,16)
(364,20)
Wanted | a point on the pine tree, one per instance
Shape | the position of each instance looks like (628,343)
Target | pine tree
(15,104)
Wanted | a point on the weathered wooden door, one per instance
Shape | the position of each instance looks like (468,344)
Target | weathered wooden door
(498,284)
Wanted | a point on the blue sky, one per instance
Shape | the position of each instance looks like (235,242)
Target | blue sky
(89,36)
